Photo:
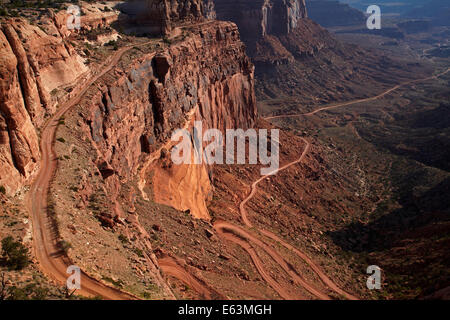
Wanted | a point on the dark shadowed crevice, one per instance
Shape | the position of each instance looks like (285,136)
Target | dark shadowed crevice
(157,108)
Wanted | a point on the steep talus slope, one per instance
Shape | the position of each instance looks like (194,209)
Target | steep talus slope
(160,16)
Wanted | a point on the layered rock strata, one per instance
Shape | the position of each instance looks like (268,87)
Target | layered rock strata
(207,76)
(36,59)
(258,18)
(161,16)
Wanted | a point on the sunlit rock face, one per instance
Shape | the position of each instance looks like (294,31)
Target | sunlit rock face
(258,18)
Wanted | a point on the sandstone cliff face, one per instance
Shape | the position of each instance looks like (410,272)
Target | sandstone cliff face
(35,60)
(19,148)
(207,75)
(276,32)
(258,18)
(160,16)
(293,55)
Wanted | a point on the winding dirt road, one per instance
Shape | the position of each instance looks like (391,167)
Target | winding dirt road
(244,239)
(344,104)
(52,260)
(242,209)
(238,235)
(171,267)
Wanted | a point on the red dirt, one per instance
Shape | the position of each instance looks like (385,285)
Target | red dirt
(171,267)
(45,235)
(55,263)
(224,227)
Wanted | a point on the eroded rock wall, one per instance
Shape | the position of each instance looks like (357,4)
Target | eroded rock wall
(35,59)
(209,9)
(207,75)
(19,147)
(258,18)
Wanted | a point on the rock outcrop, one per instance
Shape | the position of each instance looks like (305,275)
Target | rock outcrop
(207,76)
(37,57)
(161,16)
(275,31)
(209,10)
(258,18)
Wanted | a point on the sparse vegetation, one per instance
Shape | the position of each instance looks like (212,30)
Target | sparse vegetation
(15,254)
(42,4)
(117,283)
(139,252)
(114,44)
(123,239)
(31,291)
(65,246)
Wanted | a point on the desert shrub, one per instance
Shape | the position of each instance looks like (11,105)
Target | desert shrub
(30,292)
(117,283)
(114,44)
(15,254)
(123,239)
(65,246)
(139,252)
